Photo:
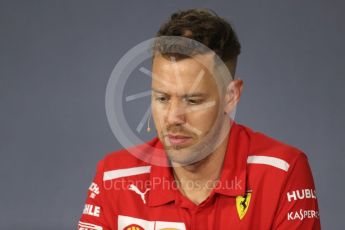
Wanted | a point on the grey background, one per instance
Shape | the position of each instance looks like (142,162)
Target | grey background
(56,58)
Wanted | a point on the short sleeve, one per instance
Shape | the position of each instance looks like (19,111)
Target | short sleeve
(298,208)
(93,216)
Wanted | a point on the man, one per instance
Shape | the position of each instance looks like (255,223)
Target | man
(215,173)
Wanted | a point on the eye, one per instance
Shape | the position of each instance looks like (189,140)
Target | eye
(194,101)
(161,99)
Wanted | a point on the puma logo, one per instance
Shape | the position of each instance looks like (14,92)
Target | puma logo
(137,191)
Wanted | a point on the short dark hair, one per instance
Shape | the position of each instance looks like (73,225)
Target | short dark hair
(206,27)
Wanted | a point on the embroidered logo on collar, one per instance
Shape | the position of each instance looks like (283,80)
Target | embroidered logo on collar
(242,204)
(137,191)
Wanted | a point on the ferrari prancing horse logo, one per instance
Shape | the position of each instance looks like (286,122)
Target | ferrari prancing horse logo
(242,204)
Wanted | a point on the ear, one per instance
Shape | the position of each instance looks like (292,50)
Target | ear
(233,95)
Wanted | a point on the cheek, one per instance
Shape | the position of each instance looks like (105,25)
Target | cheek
(203,120)
(157,116)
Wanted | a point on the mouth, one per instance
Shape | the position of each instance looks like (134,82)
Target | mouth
(178,140)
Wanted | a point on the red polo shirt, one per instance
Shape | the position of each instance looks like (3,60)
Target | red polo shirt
(264,184)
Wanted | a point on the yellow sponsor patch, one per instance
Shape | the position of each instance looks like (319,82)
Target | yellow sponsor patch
(242,204)
(133,227)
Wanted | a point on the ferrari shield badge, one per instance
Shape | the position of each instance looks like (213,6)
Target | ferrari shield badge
(242,204)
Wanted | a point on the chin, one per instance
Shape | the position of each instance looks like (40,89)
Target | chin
(184,157)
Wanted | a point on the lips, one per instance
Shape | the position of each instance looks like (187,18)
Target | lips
(178,139)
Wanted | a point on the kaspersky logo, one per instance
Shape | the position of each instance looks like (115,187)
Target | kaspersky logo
(242,204)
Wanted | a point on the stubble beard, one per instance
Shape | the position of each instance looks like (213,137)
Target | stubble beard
(205,146)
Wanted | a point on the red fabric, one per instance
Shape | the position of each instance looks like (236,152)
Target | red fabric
(279,198)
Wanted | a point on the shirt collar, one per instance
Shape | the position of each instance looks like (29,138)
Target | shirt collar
(163,186)
(232,180)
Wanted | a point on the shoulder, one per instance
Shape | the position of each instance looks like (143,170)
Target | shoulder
(120,159)
(273,165)
(131,162)
(266,150)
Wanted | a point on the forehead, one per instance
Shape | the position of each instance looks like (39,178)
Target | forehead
(194,73)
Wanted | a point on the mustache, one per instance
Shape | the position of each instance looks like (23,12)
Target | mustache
(178,129)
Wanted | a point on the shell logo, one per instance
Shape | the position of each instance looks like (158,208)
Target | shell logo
(133,227)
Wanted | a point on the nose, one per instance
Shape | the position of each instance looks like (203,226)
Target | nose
(176,114)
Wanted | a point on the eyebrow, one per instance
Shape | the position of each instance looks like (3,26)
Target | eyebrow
(185,95)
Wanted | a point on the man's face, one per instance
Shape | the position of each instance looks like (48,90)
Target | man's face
(185,107)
